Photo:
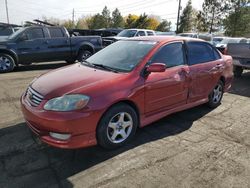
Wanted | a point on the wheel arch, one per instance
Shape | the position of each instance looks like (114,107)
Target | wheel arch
(123,101)
(11,53)
(86,46)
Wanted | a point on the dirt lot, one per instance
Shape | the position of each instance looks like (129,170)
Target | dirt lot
(195,148)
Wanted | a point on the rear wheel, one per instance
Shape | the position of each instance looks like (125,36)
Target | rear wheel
(7,63)
(238,71)
(216,95)
(117,126)
(84,54)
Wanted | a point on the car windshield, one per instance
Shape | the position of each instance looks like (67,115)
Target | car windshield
(14,35)
(122,56)
(127,33)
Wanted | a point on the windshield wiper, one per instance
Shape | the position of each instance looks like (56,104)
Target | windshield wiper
(105,67)
(85,62)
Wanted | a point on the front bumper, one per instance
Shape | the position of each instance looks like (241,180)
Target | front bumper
(80,125)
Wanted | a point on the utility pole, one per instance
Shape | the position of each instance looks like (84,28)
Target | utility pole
(178,16)
(73,18)
(7,12)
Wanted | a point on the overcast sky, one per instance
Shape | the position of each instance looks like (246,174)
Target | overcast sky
(28,10)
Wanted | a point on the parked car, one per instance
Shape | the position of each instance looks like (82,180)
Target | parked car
(41,43)
(127,33)
(170,33)
(217,40)
(127,85)
(241,56)
(222,46)
(7,29)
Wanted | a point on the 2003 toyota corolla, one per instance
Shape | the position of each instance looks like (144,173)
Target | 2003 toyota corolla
(127,85)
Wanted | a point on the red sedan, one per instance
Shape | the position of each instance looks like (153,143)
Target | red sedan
(127,85)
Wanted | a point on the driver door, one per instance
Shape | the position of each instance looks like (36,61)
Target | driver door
(167,89)
(31,46)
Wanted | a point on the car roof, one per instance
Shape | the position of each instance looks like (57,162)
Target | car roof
(140,29)
(164,38)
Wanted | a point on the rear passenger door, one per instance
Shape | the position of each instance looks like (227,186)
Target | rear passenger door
(205,66)
(58,44)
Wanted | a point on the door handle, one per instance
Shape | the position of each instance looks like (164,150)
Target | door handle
(46,42)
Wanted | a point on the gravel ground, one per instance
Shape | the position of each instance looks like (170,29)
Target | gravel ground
(199,147)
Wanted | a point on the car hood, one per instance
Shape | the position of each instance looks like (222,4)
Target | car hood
(75,78)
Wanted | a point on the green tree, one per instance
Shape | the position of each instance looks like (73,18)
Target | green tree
(106,17)
(164,26)
(117,19)
(142,22)
(97,22)
(213,13)
(186,19)
(200,22)
(237,23)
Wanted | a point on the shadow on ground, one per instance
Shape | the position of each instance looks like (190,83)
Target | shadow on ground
(241,86)
(24,162)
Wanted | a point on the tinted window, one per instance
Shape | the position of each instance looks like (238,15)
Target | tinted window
(5,31)
(171,55)
(150,33)
(35,33)
(140,33)
(200,52)
(55,32)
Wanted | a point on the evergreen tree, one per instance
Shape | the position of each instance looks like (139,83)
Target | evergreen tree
(106,17)
(117,19)
(237,23)
(164,26)
(214,11)
(186,19)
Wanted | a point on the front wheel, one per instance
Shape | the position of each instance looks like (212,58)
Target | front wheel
(216,95)
(117,126)
(7,63)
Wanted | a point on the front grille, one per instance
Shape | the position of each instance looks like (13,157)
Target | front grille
(33,97)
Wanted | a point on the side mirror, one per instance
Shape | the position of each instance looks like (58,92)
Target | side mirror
(156,67)
(23,37)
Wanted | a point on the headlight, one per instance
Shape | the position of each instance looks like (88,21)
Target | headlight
(67,103)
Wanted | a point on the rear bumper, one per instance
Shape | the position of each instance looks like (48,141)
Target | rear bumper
(80,125)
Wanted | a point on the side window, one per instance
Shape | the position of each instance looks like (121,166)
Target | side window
(150,33)
(201,52)
(140,33)
(55,32)
(171,55)
(35,33)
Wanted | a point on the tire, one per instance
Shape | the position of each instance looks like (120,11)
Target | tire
(7,63)
(238,71)
(84,54)
(117,127)
(216,95)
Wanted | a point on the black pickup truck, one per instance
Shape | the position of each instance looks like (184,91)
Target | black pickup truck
(42,43)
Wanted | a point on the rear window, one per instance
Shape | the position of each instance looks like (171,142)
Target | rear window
(150,33)
(55,32)
(201,52)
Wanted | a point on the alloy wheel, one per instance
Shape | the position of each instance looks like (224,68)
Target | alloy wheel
(119,127)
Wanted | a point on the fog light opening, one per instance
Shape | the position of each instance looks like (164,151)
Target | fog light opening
(60,136)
